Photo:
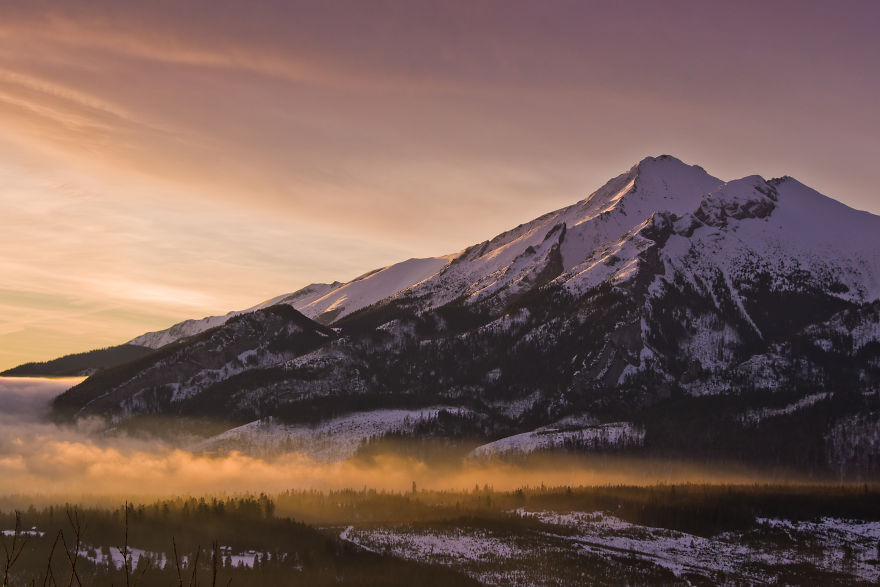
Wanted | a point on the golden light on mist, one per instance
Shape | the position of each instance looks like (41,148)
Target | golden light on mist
(47,465)
(40,457)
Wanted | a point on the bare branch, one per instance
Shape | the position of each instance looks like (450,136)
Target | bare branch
(77,527)
(147,566)
(124,551)
(177,563)
(214,564)
(193,582)
(49,573)
(14,551)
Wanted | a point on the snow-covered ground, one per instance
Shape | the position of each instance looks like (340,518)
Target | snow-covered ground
(32,532)
(729,554)
(452,546)
(849,546)
(113,556)
(479,553)
(843,549)
(332,440)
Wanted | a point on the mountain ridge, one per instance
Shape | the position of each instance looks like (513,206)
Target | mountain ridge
(309,298)
(665,292)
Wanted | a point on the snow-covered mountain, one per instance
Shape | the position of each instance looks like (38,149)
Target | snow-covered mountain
(668,302)
(582,238)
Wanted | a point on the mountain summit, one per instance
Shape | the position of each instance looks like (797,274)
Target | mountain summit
(668,312)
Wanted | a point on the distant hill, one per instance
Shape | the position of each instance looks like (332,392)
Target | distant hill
(81,363)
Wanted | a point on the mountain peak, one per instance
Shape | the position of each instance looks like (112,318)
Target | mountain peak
(670,168)
(670,180)
(662,183)
(661,159)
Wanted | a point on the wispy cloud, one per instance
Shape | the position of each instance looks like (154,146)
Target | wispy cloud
(195,157)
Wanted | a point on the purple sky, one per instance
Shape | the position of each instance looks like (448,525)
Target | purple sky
(165,160)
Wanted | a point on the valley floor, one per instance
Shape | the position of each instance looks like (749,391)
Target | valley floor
(686,534)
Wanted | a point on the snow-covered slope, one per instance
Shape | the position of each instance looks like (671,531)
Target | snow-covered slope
(323,301)
(189,328)
(782,224)
(333,440)
(564,435)
(372,287)
(179,374)
(574,240)
(785,228)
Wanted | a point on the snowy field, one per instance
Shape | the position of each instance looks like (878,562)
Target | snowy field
(552,548)
(113,556)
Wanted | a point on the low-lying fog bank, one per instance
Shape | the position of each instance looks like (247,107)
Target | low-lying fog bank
(39,457)
(26,399)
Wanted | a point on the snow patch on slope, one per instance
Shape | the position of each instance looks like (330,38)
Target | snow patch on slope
(334,299)
(753,417)
(333,440)
(562,434)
